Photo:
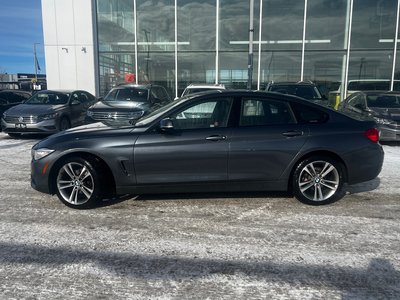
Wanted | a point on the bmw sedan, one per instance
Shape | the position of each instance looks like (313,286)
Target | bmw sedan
(212,141)
(47,112)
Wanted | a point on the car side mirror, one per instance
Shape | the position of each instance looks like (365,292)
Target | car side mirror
(166,124)
(75,102)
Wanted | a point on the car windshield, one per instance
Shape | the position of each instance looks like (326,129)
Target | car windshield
(48,98)
(127,94)
(147,119)
(383,101)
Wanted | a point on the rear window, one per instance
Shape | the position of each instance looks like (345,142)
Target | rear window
(305,91)
(383,101)
(369,85)
(308,115)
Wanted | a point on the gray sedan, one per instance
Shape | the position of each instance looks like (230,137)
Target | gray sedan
(212,141)
(47,112)
(383,107)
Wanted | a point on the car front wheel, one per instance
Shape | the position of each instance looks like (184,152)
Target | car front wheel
(318,180)
(78,183)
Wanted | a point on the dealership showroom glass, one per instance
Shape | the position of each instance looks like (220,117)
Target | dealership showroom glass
(175,43)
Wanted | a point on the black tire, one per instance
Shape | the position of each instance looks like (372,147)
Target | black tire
(64,124)
(78,183)
(318,180)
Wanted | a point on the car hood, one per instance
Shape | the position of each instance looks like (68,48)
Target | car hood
(387,113)
(93,131)
(33,109)
(115,105)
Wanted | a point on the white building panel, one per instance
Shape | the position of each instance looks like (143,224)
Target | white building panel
(68,43)
(65,22)
(49,21)
(83,25)
(85,77)
(52,69)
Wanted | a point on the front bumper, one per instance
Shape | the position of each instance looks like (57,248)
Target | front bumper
(46,126)
(40,175)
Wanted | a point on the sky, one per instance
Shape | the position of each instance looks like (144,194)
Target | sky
(20,28)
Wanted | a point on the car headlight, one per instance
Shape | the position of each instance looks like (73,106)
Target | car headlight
(40,153)
(136,115)
(383,121)
(48,116)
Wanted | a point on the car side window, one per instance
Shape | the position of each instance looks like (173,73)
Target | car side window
(358,102)
(75,98)
(162,93)
(204,114)
(83,97)
(260,112)
(308,115)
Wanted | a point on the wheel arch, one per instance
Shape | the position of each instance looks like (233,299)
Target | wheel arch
(317,153)
(107,174)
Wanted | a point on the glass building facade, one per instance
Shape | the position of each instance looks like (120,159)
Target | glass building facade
(178,42)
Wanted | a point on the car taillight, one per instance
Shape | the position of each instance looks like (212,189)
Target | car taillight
(372,134)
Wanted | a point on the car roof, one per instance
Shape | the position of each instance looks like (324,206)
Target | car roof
(244,92)
(58,91)
(206,85)
(133,85)
(292,83)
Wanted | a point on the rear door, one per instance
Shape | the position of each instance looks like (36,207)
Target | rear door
(266,140)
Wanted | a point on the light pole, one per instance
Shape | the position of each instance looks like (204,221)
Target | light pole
(36,61)
(250,59)
(148,53)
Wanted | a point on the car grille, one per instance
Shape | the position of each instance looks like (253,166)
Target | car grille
(100,116)
(26,120)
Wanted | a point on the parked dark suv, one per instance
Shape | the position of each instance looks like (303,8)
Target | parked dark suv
(304,89)
(9,98)
(128,102)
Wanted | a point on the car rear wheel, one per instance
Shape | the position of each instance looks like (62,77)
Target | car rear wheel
(64,124)
(78,183)
(318,180)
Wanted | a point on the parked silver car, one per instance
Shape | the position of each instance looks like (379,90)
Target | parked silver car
(47,112)
(383,107)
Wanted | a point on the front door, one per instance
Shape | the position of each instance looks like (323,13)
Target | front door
(195,151)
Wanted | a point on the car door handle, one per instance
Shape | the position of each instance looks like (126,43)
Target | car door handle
(292,133)
(215,138)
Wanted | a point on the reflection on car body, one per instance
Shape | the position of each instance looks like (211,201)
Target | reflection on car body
(212,141)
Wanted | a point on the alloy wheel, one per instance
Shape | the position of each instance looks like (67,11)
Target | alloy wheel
(75,183)
(318,180)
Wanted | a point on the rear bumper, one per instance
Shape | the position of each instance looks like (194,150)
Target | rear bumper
(366,165)
(389,134)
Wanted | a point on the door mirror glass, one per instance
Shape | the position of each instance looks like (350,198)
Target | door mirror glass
(166,124)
